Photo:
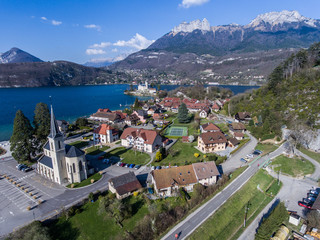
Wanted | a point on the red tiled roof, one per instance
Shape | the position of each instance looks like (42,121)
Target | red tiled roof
(102,129)
(149,136)
(210,127)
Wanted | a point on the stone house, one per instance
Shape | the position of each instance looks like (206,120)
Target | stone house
(210,142)
(124,185)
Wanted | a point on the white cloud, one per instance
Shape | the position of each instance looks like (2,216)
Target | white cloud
(53,22)
(138,41)
(93,26)
(114,50)
(91,51)
(191,3)
(56,23)
(101,45)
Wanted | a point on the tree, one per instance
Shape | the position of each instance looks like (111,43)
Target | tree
(33,231)
(313,219)
(158,156)
(136,104)
(183,114)
(22,138)
(82,122)
(163,151)
(41,122)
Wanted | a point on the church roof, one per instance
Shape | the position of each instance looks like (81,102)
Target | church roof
(54,130)
(47,146)
(72,151)
(47,161)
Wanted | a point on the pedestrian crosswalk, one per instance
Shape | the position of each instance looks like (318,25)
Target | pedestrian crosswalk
(16,196)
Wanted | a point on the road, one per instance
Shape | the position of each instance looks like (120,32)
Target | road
(194,220)
(292,191)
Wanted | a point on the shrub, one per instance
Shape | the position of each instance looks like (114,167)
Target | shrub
(135,194)
(92,181)
(204,156)
(196,155)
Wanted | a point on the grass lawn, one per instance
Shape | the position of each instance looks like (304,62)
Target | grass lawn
(266,148)
(94,150)
(183,154)
(86,182)
(90,225)
(227,221)
(314,155)
(294,167)
(129,156)
(79,144)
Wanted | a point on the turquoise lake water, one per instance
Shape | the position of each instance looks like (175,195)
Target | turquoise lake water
(69,103)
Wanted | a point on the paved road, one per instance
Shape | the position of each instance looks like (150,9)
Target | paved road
(194,220)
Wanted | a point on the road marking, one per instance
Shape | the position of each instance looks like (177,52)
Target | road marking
(11,213)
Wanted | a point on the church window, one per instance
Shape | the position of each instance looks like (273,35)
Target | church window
(80,166)
(51,147)
(59,144)
(74,167)
(68,166)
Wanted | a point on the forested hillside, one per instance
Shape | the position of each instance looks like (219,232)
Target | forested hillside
(291,96)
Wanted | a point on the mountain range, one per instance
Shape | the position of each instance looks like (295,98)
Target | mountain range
(199,51)
(195,51)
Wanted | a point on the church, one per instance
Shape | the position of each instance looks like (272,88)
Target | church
(61,163)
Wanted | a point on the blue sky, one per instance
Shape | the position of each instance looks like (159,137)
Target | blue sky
(80,30)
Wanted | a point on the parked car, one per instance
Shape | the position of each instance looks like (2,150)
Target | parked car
(26,169)
(308,201)
(127,165)
(250,156)
(158,167)
(312,199)
(312,195)
(153,168)
(137,166)
(123,164)
(258,151)
(243,160)
(132,165)
(17,167)
(314,192)
(21,167)
(303,204)
(119,164)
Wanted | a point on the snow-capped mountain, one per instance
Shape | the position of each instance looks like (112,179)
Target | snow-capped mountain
(277,20)
(203,25)
(16,55)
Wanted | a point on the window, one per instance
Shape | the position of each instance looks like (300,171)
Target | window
(74,167)
(59,144)
(67,166)
(80,166)
(52,147)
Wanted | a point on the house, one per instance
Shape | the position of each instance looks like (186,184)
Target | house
(124,185)
(236,127)
(61,163)
(185,139)
(105,134)
(158,118)
(232,142)
(238,135)
(109,117)
(242,117)
(63,125)
(215,107)
(209,142)
(168,181)
(132,120)
(209,127)
(204,112)
(141,139)
(206,172)
(142,115)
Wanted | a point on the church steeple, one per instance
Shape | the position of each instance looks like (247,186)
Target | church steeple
(54,130)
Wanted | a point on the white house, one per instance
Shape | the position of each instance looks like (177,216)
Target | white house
(61,163)
(206,172)
(105,134)
(141,139)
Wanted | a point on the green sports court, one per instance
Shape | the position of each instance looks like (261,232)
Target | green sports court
(176,131)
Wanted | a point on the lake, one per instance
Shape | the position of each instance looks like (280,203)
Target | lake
(69,103)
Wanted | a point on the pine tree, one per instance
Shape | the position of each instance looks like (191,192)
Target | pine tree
(183,114)
(41,122)
(22,139)
(136,104)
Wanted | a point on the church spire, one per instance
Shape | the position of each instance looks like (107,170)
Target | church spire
(54,130)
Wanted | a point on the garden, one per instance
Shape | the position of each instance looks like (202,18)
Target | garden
(129,156)
(95,150)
